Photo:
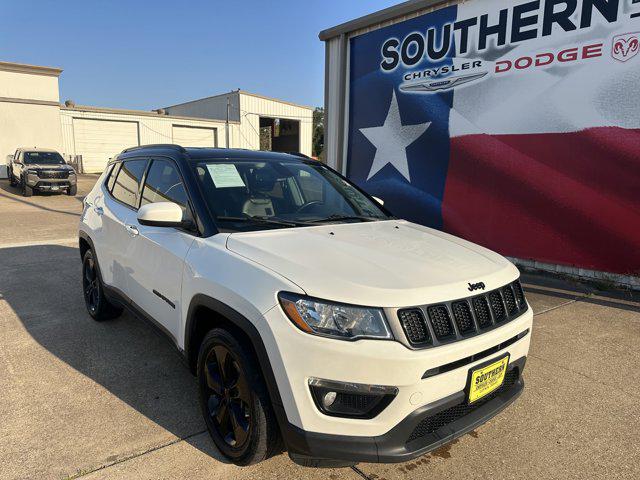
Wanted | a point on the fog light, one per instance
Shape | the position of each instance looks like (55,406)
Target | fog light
(328,399)
(350,400)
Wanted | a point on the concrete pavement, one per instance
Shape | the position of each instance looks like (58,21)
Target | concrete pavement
(81,399)
(42,216)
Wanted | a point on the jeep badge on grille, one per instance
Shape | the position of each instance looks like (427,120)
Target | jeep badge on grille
(476,286)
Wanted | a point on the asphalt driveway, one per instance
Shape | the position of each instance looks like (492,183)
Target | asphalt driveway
(81,399)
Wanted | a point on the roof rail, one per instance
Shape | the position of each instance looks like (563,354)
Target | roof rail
(155,145)
(300,154)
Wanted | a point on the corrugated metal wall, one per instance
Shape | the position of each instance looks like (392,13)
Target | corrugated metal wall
(151,128)
(214,108)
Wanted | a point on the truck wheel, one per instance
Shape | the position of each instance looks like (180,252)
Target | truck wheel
(97,304)
(12,180)
(72,190)
(27,191)
(234,400)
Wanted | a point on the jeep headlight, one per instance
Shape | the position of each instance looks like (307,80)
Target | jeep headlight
(347,322)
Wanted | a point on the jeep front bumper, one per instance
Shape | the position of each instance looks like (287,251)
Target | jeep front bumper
(425,429)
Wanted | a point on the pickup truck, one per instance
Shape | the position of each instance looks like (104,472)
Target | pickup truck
(39,169)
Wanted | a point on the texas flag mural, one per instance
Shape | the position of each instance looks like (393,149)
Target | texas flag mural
(515,125)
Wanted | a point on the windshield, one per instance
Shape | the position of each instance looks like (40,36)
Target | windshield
(43,158)
(253,195)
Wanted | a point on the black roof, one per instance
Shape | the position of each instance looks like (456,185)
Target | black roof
(200,153)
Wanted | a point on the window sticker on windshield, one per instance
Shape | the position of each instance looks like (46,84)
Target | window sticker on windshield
(225,175)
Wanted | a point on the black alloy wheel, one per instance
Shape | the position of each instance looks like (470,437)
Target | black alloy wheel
(229,397)
(91,285)
(98,306)
(234,399)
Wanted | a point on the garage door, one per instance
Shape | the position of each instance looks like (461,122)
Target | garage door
(194,136)
(99,140)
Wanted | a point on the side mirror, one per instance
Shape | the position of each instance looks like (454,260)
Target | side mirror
(379,200)
(161,214)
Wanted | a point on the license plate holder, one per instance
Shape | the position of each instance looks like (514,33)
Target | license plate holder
(486,378)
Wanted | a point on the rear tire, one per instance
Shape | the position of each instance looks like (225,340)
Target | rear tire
(72,190)
(27,191)
(97,304)
(234,400)
(12,179)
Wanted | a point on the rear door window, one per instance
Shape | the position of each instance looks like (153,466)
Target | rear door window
(127,184)
(112,176)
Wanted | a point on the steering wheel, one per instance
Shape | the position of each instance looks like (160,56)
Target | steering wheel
(307,206)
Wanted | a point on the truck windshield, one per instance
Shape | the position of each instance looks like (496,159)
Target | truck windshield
(43,158)
(253,195)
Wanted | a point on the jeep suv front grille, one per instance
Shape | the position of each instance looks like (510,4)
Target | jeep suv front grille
(497,306)
(414,326)
(431,325)
(481,309)
(510,300)
(462,314)
(441,322)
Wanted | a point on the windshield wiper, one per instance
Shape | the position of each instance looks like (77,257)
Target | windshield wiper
(337,217)
(261,219)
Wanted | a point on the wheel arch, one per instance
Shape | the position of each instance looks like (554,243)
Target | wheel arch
(205,313)
(84,244)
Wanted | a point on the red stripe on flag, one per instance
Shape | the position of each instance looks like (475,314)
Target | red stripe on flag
(566,198)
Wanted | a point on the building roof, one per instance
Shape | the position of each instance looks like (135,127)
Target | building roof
(242,92)
(378,17)
(144,113)
(33,69)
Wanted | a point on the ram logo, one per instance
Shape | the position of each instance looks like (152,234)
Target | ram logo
(625,46)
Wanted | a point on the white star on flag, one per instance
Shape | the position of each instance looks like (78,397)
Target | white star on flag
(392,139)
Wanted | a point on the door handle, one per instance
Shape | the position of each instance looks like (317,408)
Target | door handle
(98,210)
(132,229)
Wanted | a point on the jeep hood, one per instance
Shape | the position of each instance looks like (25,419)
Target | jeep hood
(390,263)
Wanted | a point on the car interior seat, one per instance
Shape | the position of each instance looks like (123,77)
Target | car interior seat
(259,203)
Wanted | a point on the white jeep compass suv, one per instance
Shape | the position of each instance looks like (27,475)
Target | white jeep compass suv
(313,319)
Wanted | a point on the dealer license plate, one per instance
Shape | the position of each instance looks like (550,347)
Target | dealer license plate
(487,379)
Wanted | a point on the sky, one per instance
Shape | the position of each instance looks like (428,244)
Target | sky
(142,54)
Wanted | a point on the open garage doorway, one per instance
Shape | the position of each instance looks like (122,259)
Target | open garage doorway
(279,134)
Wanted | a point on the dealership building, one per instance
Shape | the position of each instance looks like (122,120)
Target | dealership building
(510,123)
(31,115)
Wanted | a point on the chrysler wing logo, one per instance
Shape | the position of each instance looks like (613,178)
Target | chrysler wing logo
(428,86)
(625,46)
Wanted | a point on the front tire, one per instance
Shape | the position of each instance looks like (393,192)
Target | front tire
(27,191)
(97,304)
(234,400)
(72,190)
